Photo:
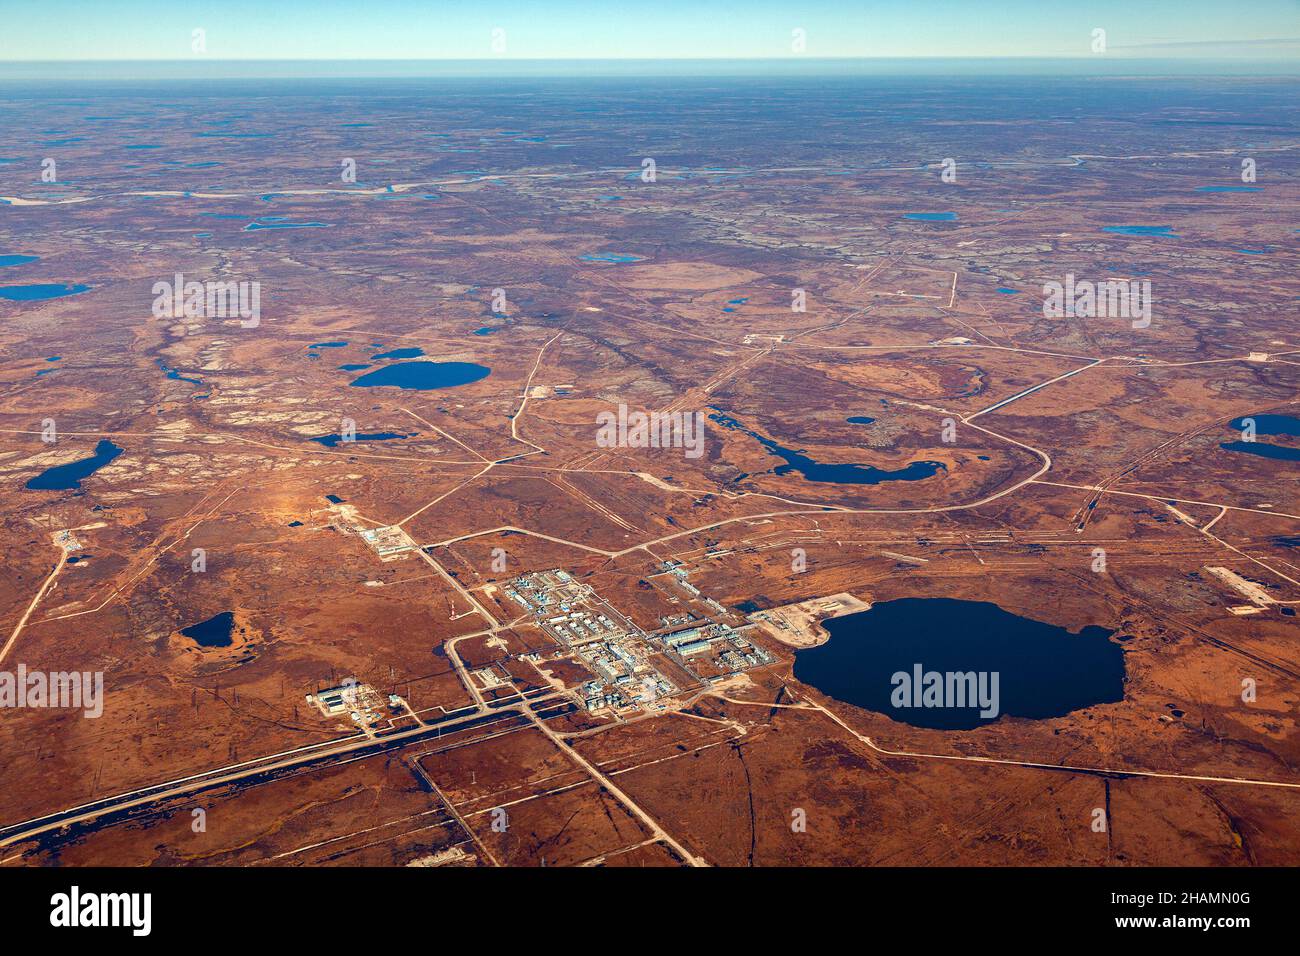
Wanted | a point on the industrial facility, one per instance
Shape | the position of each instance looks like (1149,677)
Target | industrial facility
(633,669)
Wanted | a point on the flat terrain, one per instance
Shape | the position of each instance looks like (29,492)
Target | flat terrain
(767,283)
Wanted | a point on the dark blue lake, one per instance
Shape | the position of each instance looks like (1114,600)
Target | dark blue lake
(1267,425)
(38,293)
(16,260)
(68,477)
(331,441)
(1271,424)
(404,353)
(1141,230)
(1263,449)
(423,375)
(930,216)
(840,474)
(1042,670)
(214,632)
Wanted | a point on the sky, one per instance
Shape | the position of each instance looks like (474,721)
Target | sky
(653,29)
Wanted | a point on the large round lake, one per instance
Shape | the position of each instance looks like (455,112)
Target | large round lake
(214,632)
(956,665)
(423,375)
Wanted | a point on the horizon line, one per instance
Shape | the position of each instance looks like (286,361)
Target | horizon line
(786,58)
(793,68)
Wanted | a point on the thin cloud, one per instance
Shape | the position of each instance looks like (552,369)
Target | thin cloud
(1220,44)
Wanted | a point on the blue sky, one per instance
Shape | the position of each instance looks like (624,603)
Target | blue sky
(612,29)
